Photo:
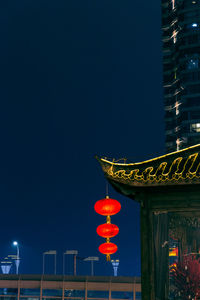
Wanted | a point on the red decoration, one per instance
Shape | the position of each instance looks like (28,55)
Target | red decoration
(108,248)
(107,230)
(173,251)
(186,277)
(107,207)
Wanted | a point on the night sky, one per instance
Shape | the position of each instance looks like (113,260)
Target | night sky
(78,78)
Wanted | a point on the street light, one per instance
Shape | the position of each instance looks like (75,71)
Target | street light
(6,266)
(115,264)
(17,261)
(50,252)
(70,252)
(92,259)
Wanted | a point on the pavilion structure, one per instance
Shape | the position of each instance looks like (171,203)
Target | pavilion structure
(168,190)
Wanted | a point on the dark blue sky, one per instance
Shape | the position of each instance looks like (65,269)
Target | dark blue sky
(77,78)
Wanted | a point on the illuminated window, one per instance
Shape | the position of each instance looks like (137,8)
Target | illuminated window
(194,25)
(195,127)
(193,63)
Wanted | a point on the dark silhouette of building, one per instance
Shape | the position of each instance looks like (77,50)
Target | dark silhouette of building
(181,70)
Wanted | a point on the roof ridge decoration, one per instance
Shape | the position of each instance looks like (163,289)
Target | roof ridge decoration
(181,167)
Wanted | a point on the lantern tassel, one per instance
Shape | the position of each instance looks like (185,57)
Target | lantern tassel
(108,219)
(107,257)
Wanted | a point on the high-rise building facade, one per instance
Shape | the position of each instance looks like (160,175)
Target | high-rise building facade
(181,70)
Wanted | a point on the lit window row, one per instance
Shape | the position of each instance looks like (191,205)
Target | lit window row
(195,127)
(34,294)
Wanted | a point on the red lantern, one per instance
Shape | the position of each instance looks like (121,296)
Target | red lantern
(107,230)
(108,248)
(107,207)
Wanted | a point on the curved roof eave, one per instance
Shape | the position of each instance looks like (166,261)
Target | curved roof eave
(176,168)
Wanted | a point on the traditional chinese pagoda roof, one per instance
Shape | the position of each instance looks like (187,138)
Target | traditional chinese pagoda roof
(176,168)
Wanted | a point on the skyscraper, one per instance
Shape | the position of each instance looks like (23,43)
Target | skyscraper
(181,72)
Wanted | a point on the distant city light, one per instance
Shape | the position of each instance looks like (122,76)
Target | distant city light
(194,25)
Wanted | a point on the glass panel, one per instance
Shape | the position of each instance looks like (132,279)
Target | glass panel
(3,291)
(98,294)
(8,291)
(98,298)
(29,298)
(138,296)
(52,292)
(121,295)
(75,293)
(74,298)
(30,292)
(51,298)
(6,297)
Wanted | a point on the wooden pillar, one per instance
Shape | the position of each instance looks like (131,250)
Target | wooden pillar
(147,254)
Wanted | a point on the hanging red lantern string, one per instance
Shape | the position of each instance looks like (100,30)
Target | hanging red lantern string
(107,207)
